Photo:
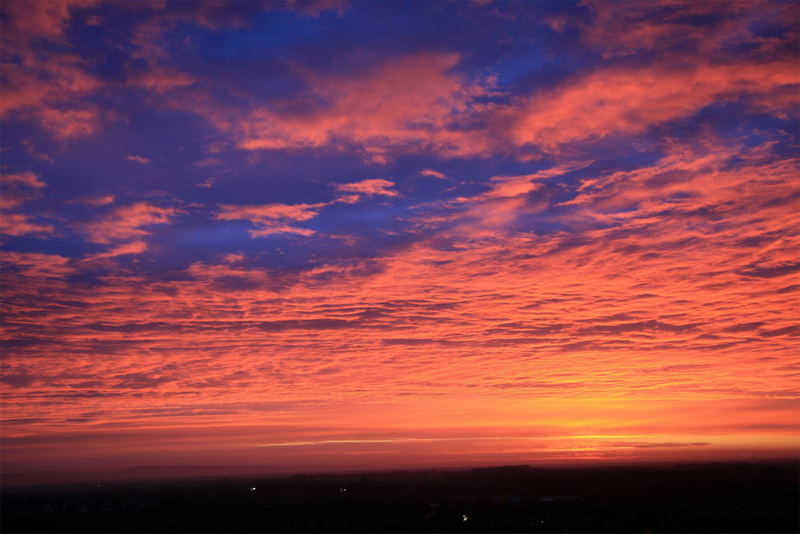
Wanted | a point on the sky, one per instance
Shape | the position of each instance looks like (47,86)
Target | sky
(320,236)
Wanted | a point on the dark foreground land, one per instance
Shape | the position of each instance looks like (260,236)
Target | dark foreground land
(742,497)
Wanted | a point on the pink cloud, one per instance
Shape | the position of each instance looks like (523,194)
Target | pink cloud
(631,100)
(30,22)
(36,265)
(64,124)
(314,8)
(17,224)
(382,114)
(557,23)
(39,80)
(294,212)
(267,230)
(15,190)
(492,212)
(625,28)
(271,218)
(134,247)
(18,188)
(369,187)
(27,179)
(433,173)
(125,222)
(99,200)
(44,81)
(161,79)
(408,104)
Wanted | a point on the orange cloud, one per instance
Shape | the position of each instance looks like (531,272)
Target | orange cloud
(560,315)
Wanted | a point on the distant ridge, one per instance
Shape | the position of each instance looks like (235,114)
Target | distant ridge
(141,472)
(167,472)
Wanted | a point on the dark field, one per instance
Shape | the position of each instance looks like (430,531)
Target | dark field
(742,497)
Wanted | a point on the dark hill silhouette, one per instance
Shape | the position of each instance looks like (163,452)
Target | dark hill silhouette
(724,497)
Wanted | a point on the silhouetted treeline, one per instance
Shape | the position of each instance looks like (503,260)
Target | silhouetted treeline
(742,497)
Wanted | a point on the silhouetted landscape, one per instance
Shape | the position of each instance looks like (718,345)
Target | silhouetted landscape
(720,497)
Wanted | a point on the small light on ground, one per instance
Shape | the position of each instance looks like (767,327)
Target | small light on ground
(253,488)
(464,517)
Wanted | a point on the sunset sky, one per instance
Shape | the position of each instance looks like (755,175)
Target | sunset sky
(375,235)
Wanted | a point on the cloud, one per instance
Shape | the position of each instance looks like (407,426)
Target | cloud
(409,104)
(66,124)
(771,271)
(663,445)
(17,224)
(268,230)
(607,244)
(15,190)
(625,28)
(27,179)
(433,173)
(161,79)
(125,222)
(370,187)
(138,159)
(33,265)
(139,381)
(18,188)
(446,114)
(41,21)
(271,218)
(19,380)
(630,100)
(44,76)
(134,247)
(269,212)
(98,200)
